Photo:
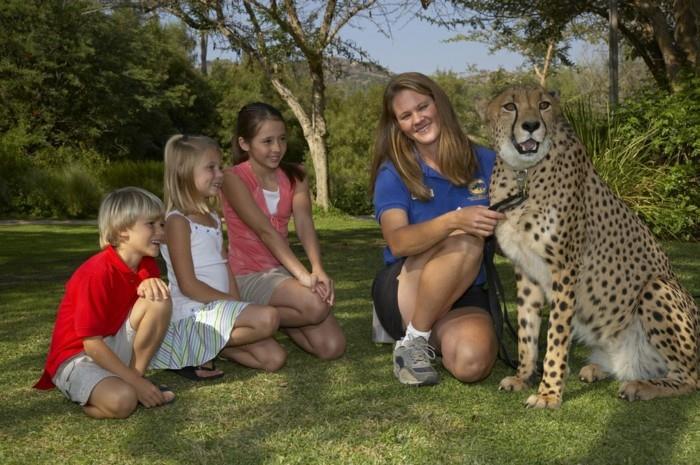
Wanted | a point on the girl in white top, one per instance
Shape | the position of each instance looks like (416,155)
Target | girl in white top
(208,318)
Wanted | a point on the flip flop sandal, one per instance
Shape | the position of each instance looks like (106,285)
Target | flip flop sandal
(191,373)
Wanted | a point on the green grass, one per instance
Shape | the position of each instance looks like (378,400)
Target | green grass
(311,412)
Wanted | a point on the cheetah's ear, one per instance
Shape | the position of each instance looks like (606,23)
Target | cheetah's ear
(480,105)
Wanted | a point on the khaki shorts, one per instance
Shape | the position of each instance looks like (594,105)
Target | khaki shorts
(258,287)
(78,376)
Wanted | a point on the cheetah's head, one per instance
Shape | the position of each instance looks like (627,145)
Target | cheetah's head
(521,121)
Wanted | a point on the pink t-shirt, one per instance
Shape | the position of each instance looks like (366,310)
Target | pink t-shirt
(246,252)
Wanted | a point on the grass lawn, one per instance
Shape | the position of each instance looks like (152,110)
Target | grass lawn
(311,412)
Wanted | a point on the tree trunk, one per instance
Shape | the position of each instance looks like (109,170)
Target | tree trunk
(314,130)
(542,75)
(203,45)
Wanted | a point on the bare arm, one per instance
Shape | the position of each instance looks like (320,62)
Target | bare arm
(177,232)
(306,232)
(405,240)
(148,394)
(304,224)
(242,202)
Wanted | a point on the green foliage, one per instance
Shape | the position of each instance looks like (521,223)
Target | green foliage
(145,174)
(352,120)
(674,118)
(662,192)
(115,82)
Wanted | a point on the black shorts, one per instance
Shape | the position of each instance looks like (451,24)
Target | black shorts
(385,297)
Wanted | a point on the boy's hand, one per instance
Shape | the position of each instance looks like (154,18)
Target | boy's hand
(153,289)
(148,393)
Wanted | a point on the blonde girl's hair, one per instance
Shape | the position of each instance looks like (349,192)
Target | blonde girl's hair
(455,157)
(182,152)
(122,208)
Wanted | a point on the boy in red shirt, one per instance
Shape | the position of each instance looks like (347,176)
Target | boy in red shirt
(114,313)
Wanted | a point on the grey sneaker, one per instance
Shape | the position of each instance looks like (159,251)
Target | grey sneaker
(412,362)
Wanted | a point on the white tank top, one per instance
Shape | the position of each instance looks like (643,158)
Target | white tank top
(272,198)
(210,266)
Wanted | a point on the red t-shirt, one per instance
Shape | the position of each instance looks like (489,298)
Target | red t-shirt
(98,299)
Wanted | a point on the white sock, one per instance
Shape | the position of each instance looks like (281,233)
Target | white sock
(412,332)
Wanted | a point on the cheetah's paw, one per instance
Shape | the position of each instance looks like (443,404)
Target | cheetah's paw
(543,401)
(512,384)
(591,373)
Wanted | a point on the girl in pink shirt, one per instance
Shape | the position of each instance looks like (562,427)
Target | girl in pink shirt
(260,195)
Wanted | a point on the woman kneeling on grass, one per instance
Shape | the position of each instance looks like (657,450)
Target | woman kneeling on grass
(430,187)
(261,194)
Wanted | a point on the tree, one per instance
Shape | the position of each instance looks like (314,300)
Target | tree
(664,34)
(291,32)
(71,75)
(543,57)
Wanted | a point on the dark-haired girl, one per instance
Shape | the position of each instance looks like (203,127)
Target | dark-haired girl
(260,195)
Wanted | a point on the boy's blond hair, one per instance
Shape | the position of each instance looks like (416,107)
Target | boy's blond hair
(181,156)
(122,208)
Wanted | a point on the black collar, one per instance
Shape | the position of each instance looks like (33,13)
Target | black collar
(514,200)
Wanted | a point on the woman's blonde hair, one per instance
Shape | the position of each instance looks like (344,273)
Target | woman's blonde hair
(182,152)
(455,158)
(122,208)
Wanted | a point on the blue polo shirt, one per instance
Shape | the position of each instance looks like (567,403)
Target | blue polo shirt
(391,192)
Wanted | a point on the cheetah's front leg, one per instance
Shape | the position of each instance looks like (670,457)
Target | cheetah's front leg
(530,300)
(551,387)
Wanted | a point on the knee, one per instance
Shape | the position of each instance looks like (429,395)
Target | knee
(121,403)
(316,310)
(471,247)
(332,347)
(160,309)
(274,359)
(470,366)
(268,320)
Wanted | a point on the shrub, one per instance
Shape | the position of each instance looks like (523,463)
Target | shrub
(674,118)
(661,191)
(145,174)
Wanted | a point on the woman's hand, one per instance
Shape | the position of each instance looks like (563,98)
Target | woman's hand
(153,289)
(477,220)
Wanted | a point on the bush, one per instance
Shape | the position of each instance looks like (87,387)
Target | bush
(662,191)
(145,174)
(674,118)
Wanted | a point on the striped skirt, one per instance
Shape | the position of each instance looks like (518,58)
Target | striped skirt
(196,339)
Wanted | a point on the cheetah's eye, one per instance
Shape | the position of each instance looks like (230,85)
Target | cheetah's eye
(509,107)
(545,105)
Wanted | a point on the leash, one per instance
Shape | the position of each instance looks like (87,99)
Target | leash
(497,300)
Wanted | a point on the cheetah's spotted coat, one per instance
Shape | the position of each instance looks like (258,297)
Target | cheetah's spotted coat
(577,246)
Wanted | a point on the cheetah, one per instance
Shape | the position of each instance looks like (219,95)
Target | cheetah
(577,246)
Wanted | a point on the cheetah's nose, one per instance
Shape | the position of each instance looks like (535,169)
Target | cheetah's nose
(531,126)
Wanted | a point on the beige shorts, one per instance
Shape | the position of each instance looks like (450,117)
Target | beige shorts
(78,376)
(258,287)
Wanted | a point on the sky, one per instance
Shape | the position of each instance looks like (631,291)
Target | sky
(418,46)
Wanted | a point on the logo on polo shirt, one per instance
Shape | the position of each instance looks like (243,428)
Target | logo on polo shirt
(477,188)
